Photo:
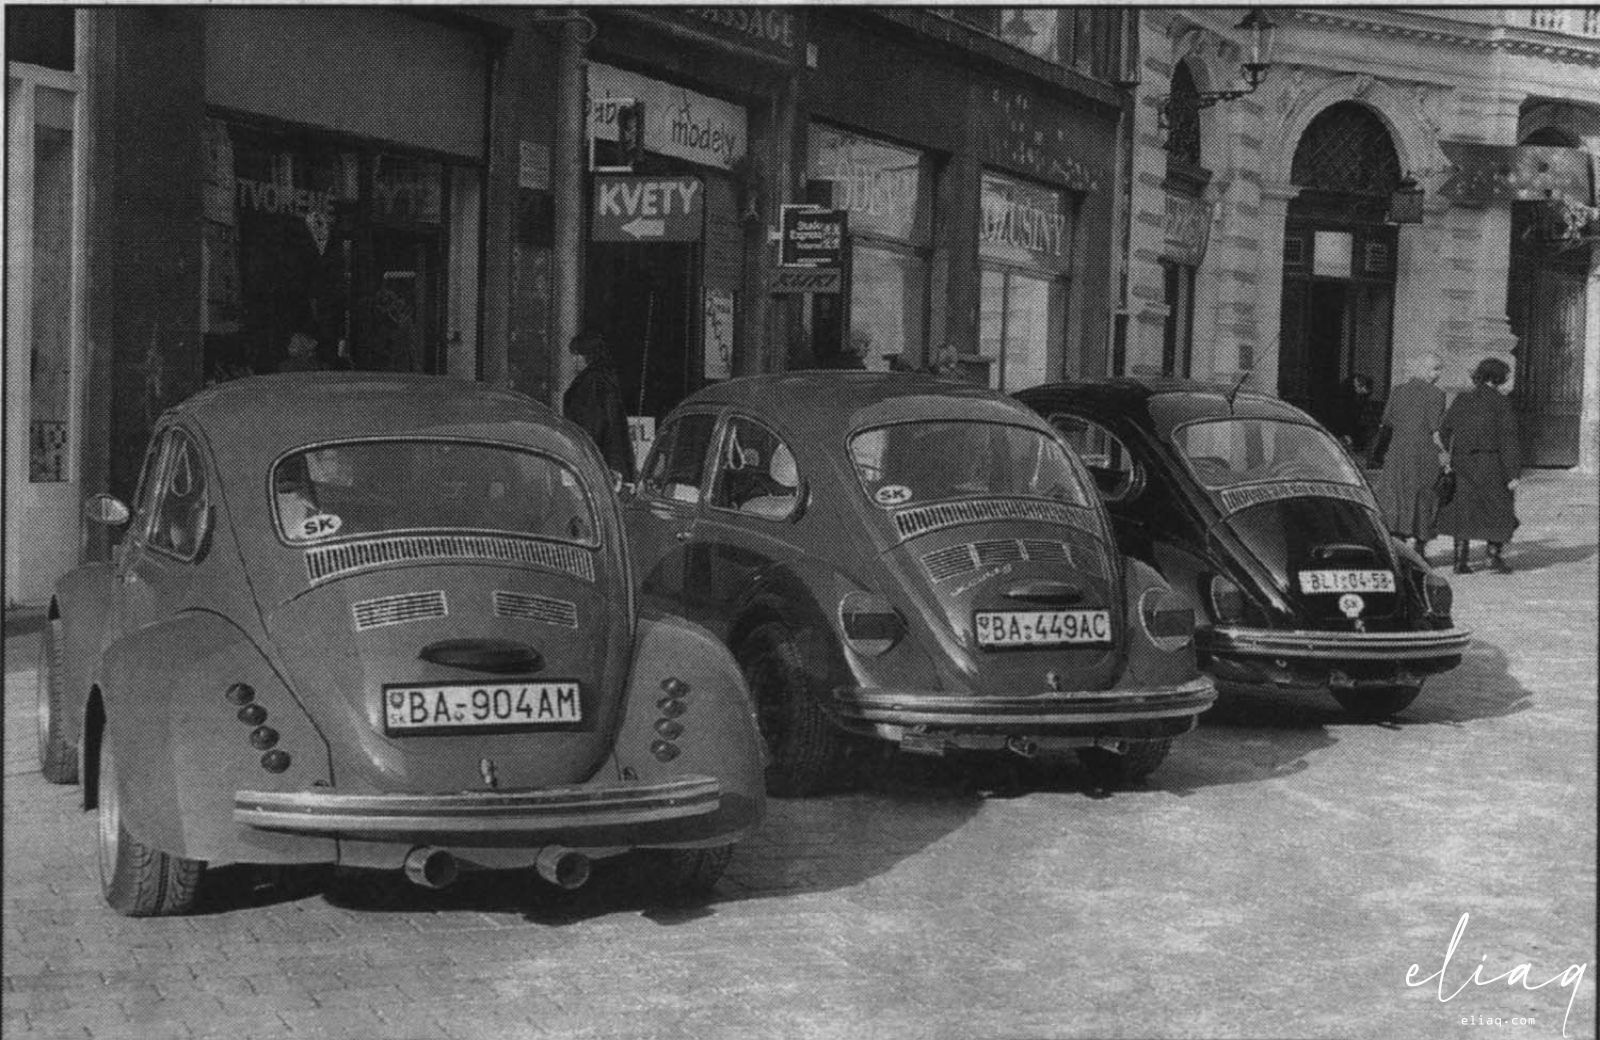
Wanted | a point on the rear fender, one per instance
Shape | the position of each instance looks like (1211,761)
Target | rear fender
(82,602)
(713,734)
(1149,663)
(183,747)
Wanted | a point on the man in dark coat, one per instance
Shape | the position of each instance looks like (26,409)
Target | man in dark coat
(1480,432)
(594,401)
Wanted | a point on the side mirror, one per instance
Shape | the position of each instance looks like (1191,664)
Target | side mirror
(106,509)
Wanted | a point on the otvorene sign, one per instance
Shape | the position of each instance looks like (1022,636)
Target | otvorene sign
(633,208)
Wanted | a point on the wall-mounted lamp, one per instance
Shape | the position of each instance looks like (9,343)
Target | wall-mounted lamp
(1405,202)
(1254,69)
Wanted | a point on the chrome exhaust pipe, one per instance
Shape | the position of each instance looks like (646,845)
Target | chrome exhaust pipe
(428,867)
(562,867)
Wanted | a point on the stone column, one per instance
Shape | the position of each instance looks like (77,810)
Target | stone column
(1271,217)
(1589,418)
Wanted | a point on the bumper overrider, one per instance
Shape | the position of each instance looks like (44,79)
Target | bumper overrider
(1076,718)
(580,816)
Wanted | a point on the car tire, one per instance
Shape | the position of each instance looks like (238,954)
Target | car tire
(1377,703)
(1110,769)
(684,874)
(58,756)
(804,749)
(137,880)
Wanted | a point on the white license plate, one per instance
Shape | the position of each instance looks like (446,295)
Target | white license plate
(1041,627)
(1346,581)
(435,707)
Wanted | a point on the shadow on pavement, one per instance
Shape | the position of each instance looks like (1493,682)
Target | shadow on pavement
(1481,688)
(1534,556)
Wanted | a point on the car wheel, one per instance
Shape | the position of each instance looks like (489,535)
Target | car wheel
(805,751)
(1110,769)
(137,880)
(1377,702)
(678,874)
(58,756)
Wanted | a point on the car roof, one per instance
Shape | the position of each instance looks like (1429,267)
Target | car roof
(1181,400)
(271,414)
(834,401)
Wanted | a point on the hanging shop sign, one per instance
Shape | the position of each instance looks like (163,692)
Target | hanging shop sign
(806,280)
(811,236)
(677,121)
(632,208)
(1188,229)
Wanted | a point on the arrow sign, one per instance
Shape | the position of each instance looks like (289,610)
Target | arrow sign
(643,227)
(634,208)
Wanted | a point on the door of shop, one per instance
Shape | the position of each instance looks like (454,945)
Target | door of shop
(641,297)
(1545,304)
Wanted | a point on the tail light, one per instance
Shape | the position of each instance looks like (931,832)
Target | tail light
(1167,620)
(1227,601)
(870,623)
(1438,597)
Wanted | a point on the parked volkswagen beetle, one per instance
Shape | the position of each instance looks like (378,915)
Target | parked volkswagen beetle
(1266,526)
(923,562)
(386,622)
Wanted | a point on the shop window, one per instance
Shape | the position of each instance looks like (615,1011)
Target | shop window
(887,191)
(49,299)
(755,472)
(321,253)
(1025,248)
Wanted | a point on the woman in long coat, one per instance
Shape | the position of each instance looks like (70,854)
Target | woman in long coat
(1480,432)
(594,401)
(1404,487)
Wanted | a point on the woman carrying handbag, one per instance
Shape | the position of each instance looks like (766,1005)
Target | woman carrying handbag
(1481,430)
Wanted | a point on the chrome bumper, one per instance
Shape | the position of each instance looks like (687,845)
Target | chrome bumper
(593,815)
(1040,714)
(1333,646)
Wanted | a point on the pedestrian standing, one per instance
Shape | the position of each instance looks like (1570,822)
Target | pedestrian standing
(1415,453)
(1480,432)
(594,401)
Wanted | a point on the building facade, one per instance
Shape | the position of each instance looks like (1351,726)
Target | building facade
(201,193)
(1402,180)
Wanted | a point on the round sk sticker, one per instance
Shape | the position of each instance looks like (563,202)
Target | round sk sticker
(1352,605)
(893,495)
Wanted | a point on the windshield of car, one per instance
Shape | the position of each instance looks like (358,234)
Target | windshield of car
(1224,452)
(936,460)
(377,487)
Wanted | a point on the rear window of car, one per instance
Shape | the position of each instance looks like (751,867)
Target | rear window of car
(378,487)
(934,461)
(1224,452)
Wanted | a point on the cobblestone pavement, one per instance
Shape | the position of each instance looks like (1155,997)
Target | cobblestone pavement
(1276,878)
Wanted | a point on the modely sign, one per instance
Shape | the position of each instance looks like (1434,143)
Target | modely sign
(648,209)
(677,121)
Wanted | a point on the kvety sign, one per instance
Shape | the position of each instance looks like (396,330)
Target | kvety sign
(633,208)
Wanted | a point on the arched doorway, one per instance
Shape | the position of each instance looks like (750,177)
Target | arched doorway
(1338,263)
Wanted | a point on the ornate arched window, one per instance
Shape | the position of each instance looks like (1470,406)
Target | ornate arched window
(1347,149)
(1183,115)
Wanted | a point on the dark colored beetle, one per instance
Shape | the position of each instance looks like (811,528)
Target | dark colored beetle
(914,560)
(384,622)
(1264,523)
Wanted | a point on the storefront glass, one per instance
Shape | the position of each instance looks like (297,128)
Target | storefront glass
(320,253)
(887,191)
(1025,249)
(51,349)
